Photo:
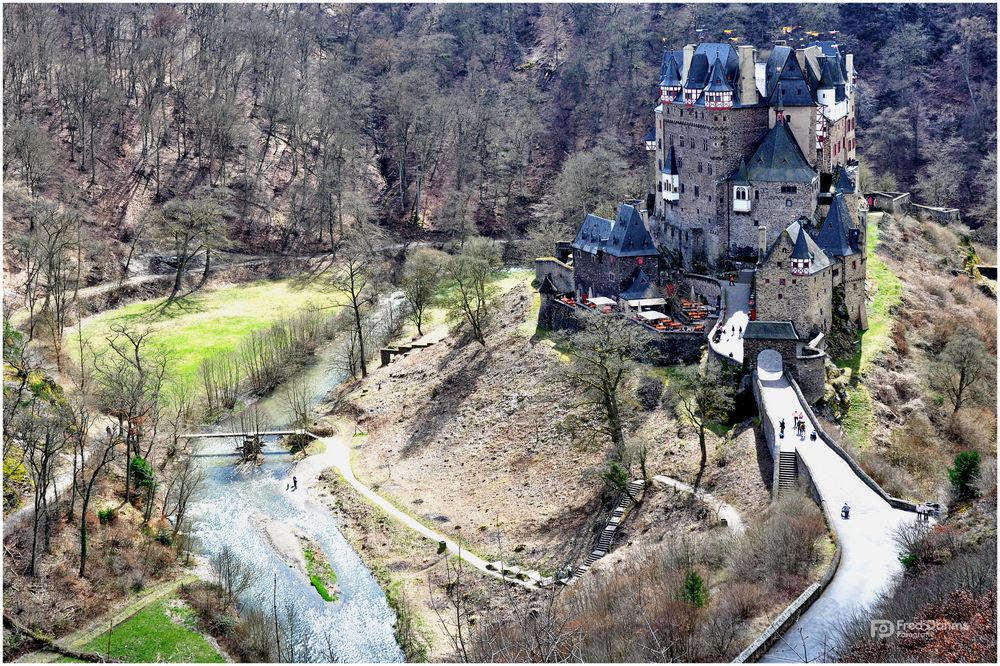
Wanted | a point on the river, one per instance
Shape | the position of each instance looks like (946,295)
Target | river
(229,511)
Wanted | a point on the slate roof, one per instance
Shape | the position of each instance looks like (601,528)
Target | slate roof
(770,330)
(794,231)
(626,236)
(782,72)
(718,80)
(844,182)
(639,286)
(697,76)
(650,135)
(670,73)
(593,234)
(741,176)
(801,249)
(677,57)
(834,236)
(670,164)
(778,158)
(629,235)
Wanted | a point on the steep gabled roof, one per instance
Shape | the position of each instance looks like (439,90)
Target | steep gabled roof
(843,183)
(670,164)
(794,232)
(677,57)
(697,75)
(629,235)
(783,72)
(778,158)
(834,236)
(593,234)
(718,78)
(801,249)
(671,75)
(639,286)
(741,176)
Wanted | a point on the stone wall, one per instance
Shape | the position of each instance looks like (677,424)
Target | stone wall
(935,213)
(667,348)
(704,288)
(753,347)
(560,273)
(805,300)
(771,207)
(708,145)
(894,203)
(809,370)
(605,275)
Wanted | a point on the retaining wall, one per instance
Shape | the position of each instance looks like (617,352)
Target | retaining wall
(893,501)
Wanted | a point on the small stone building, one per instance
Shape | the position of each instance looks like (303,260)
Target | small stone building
(607,253)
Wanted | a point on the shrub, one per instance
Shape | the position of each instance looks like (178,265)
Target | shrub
(695,592)
(649,391)
(142,473)
(964,474)
(106,515)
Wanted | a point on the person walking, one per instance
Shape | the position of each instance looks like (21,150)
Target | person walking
(295,483)
(782,427)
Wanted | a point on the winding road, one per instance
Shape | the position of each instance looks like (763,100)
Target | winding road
(870,554)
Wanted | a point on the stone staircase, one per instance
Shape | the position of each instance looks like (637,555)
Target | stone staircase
(788,472)
(604,543)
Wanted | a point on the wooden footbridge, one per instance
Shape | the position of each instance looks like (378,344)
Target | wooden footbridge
(244,435)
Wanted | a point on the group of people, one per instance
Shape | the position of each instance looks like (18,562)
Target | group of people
(799,420)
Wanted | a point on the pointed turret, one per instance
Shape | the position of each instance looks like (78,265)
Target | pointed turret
(719,92)
(834,236)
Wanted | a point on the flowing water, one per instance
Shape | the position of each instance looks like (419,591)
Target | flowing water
(359,627)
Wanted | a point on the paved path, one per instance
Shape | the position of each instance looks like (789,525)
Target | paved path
(737,300)
(722,510)
(337,454)
(870,555)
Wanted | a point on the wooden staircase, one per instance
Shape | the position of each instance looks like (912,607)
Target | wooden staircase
(604,542)
(788,472)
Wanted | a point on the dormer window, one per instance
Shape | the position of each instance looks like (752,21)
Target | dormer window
(800,266)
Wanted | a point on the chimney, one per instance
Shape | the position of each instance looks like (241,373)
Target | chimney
(800,55)
(849,61)
(748,73)
(761,242)
(688,55)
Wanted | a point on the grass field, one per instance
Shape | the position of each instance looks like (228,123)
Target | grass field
(860,418)
(888,295)
(152,636)
(208,322)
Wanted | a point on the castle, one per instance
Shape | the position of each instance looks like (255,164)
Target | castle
(752,164)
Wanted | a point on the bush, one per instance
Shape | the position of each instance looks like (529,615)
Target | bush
(964,474)
(649,391)
(106,516)
(695,592)
(142,473)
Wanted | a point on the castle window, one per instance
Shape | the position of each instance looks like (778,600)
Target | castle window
(788,189)
(794,281)
(756,195)
(779,264)
(671,139)
(659,187)
(696,192)
(767,280)
(836,272)
(699,167)
(781,281)
(704,144)
(709,169)
(779,297)
(854,264)
(788,203)
(659,164)
(682,188)
(659,143)
(611,276)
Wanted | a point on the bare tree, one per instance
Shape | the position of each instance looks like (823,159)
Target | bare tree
(356,277)
(964,367)
(421,277)
(702,397)
(233,575)
(603,357)
(104,453)
(297,397)
(185,483)
(471,296)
